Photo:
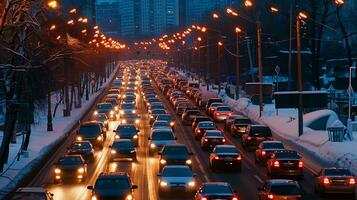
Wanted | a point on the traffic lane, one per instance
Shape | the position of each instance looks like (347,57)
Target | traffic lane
(79,191)
(245,183)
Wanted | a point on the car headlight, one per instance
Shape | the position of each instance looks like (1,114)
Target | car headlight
(117,136)
(81,170)
(132,151)
(152,145)
(124,96)
(112,112)
(163,183)
(172,123)
(94,198)
(151,116)
(99,138)
(123,121)
(137,121)
(134,111)
(116,107)
(135,137)
(105,122)
(113,151)
(191,183)
(122,112)
(189,162)
(95,112)
(162,161)
(129,197)
(57,171)
(79,138)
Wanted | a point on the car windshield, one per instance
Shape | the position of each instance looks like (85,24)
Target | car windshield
(193,112)
(160,123)
(70,160)
(214,134)
(175,150)
(29,196)
(273,145)
(206,125)
(104,106)
(226,150)
(225,108)
(127,106)
(123,145)
(176,172)
(112,183)
(89,130)
(202,119)
(285,190)
(260,132)
(129,116)
(164,117)
(287,155)
(80,145)
(242,121)
(101,117)
(217,189)
(158,112)
(129,98)
(337,172)
(216,104)
(162,135)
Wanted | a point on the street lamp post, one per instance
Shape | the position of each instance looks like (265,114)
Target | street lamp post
(219,45)
(237,30)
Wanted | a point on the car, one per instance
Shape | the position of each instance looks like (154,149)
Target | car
(216,190)
(335,181)
(279,189)
(113,185)
(230,121)
(199,119)
(225,157)
(127,131)
(176,178)
(181,107)
(266,149)
(91,131)
(130,118)
(130,98)
(106,108)
(221,113)
(239,126)
(175,154)
(154,113)
(32,193)
(213,108)
(212,100)
(202,127)
(167,117)
(127,108)
(189,115)
(70,167)
(122,149)
(285,163)
(212,138)
(160,125)
(159,138)
(84,148)
(113,101)
(254,135)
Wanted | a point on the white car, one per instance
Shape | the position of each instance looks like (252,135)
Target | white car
(177,178)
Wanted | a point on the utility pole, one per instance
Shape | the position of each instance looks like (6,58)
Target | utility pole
(260,69)
(299,71)
(208,68)
(290,45)
(237,30)
(219,45)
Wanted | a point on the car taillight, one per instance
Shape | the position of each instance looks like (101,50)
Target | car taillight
(301,164)
(352,181)
(234,198)
(229,114)
(270,196)
(223,140)
(249,138)
(216,158)
(239,158)
(206,140)
(276,164)
(326,181)
(218,114)
(264,153)
(203,198)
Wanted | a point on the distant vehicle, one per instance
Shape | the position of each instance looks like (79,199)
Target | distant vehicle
(285,163)
(266,149)
(167,117)
(189,115)
(161,125)
(122,149)
(216,190)
(254,135)
(239,126)
(175,154)
(70,167)
(130,118)
(202,127)
(102,117)
(199,119)
(113,185)
(225,157)
(212,138)
(230,121)
(221,113)
(176,178)
(106,108)
(335,181)
(84,148)
(212,100)
(32,193)
(280,189)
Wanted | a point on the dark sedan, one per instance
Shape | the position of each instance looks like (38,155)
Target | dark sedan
(70,167)
(225,157)
(216,190)
(84,148)
(122,149)
(175,154)
(127,131)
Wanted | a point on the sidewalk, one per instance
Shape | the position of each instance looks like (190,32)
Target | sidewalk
(42,141)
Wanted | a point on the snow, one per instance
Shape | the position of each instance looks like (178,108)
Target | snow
(41,141)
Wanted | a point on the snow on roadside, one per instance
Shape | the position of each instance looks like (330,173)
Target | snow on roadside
(42,141)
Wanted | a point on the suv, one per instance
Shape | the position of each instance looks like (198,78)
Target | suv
(113,185)
(254,135)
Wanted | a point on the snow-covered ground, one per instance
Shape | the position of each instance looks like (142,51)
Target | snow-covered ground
(42,141)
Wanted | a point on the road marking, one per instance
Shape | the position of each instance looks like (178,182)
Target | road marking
(258,178)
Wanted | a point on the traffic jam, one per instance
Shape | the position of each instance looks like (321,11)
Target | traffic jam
(203,149)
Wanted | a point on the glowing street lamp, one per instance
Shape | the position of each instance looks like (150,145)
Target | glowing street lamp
(70,22)
(220,43)
(215,15)
(302,15)
(248,3)
(53,4)
(339,2)
(53,27)
(274,9)
(73,11)
(199,39)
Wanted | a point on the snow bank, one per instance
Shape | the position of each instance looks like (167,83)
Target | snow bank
(41,142)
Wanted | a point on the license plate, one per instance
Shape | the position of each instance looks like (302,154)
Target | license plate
(228,159)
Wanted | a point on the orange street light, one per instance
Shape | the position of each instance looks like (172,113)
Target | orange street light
(58,37)
(302,15)
(199,39)
(204,29)
(80,19)
(248,3)
(73,11)
(53,27)
(238,30)
(53,4)
(220,43)
(339,2)
(70,22)
(274,9)
(84,31)
(215,15)
(229,11)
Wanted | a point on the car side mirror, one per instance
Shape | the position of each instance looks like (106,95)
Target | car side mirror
(134,187)
(114,131)
(194,174)
(110,146)
(191,154)
(158,174)
(90,187)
